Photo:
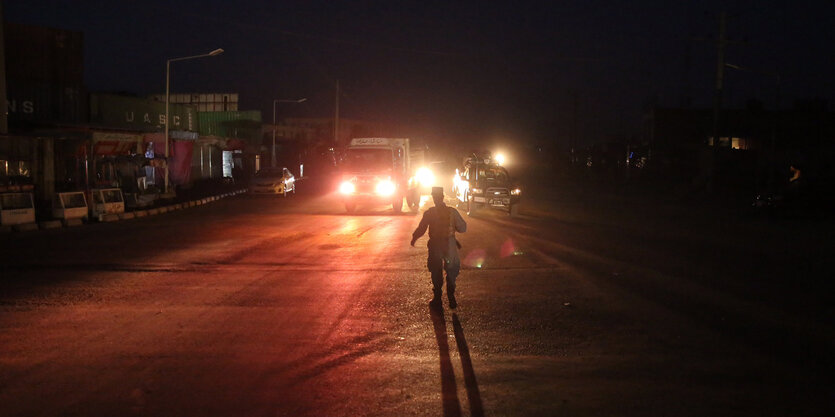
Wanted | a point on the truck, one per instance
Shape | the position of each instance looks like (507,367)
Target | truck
(379,170)
(484,183)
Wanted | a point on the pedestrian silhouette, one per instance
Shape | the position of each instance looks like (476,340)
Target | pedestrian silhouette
(442,222)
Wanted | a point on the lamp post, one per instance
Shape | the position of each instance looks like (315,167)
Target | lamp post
(216,52)
(276,101)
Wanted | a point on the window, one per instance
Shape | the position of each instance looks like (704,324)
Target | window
(360,160)
(73,200)
(112,196)
(16,201)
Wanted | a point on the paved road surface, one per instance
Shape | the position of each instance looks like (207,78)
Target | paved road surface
(586,305)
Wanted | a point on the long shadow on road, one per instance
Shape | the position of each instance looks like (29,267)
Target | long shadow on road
(449,388)
(473,394)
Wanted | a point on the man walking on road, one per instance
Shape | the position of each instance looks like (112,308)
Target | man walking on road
(442,222)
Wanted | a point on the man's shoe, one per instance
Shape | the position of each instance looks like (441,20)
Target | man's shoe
(452,302)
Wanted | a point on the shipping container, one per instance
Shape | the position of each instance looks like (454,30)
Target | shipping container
(204,101)
(44,55)
(231,124)
(140,114)
(30,101)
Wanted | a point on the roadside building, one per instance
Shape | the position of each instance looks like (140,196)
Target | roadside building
(44,94)
(754,144)
(205,102)
(237,137)
(132,155)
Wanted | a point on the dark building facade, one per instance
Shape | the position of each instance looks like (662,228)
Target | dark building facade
(753,144)
(44,75)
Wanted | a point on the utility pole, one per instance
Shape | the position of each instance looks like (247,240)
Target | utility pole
(712,154)
(4,111)
(575,101)
(272,157)
(336,117)
(720,75)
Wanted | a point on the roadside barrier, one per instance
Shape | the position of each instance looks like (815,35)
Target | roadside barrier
(113,217)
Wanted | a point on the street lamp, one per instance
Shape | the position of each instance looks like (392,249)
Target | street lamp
(216,52)
(275,101)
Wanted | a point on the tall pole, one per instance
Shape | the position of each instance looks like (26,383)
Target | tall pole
(574,131)
(4,117)
(275,103)
(720,75)
(336,117)
(167,99)
(272,159)
(216,52)
(717,101)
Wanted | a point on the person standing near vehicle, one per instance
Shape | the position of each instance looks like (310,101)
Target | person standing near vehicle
(442,222)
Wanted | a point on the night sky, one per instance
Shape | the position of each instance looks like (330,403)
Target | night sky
(473,72)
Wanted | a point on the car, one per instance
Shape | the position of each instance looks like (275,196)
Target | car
(274,181)
(484,183)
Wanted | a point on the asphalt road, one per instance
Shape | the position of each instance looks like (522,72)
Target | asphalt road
(588,304)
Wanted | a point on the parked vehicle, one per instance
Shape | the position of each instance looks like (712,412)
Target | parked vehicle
(16,208)
(70,205)
(483,183)
(274,181)
(106,201)
(379,170)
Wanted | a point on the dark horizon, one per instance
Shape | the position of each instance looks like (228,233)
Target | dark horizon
(471,72)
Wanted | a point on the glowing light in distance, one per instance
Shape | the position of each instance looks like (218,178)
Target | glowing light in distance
(425,177)
(515,191)
(500,158)
(347,187)
(385,188)
(423,200)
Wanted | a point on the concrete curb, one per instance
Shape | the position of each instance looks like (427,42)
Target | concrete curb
(50,224)
(111,217)
(25,227)
(77,221)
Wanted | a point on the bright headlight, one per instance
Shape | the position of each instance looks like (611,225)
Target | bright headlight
(425,177)
(385,188)
(515,191)
(500,159)
(347,187)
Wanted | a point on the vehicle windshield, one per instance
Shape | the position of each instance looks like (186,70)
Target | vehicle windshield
(496,175)
(269,173)
(365,160)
